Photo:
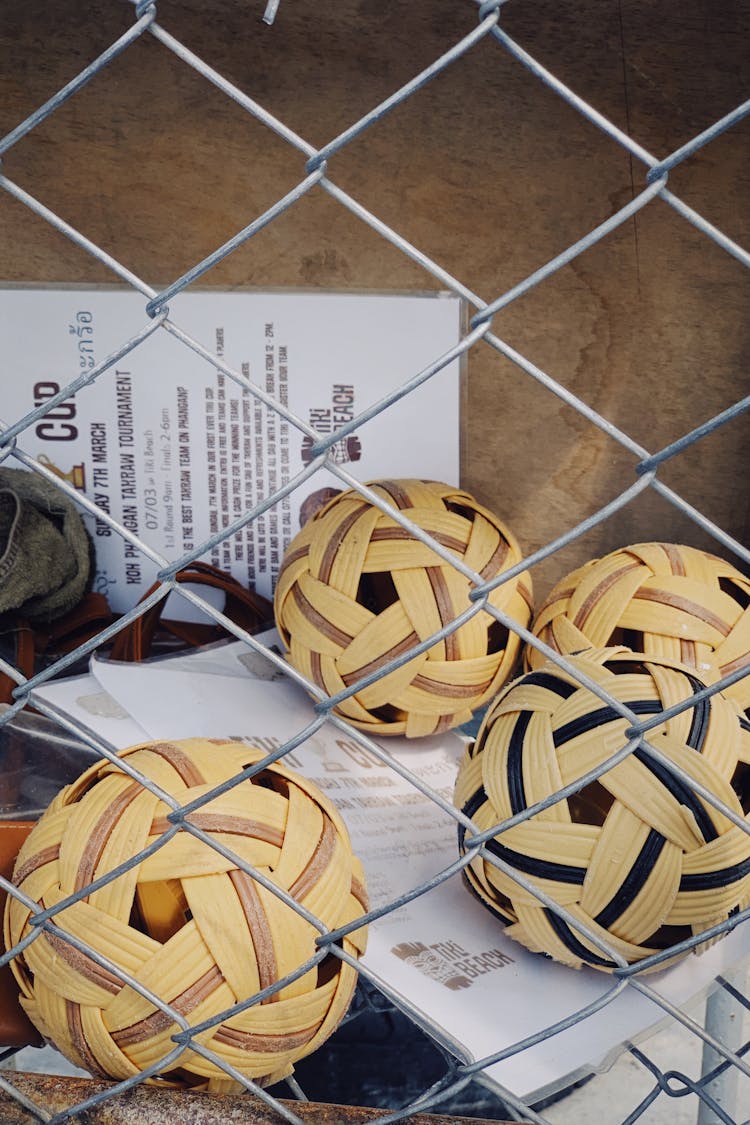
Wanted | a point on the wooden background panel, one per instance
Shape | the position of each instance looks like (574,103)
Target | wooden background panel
(484,170)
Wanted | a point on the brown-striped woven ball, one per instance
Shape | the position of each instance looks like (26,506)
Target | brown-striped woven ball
(186,922)
(637,856)
(659,598)
(357,590)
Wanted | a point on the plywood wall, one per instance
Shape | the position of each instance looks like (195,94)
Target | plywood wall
(485,170)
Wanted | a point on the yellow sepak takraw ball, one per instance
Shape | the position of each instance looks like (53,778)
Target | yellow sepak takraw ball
(662,599)
(186,922)
(637,856)
(356,590)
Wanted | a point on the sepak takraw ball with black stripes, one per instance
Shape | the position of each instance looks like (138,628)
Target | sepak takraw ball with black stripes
(651,848)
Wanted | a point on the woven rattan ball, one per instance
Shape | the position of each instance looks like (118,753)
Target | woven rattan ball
(659,598)
(186,922)
(637,856)
(357,590)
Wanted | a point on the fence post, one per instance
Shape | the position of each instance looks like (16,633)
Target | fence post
(724,1021)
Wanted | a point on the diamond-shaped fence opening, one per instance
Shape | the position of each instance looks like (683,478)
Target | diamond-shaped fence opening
(573,173)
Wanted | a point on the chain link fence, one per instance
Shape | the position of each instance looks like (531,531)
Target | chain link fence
(317,174)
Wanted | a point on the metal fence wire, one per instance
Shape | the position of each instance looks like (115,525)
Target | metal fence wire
(317,174)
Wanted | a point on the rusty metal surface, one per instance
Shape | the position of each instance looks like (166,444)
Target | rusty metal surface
(151,1106)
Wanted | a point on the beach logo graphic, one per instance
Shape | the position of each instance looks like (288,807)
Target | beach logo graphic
(344,450)
(431,964)
(327,419)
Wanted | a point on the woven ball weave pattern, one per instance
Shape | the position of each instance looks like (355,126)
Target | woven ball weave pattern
(636,856)
(187,922)
(356,590)
(663,599)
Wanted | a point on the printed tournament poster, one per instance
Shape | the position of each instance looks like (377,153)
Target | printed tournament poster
(170,445)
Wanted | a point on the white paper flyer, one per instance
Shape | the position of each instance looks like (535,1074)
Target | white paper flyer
(175,450)
(442,953)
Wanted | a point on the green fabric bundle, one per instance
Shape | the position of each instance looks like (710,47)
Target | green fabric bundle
(45,551)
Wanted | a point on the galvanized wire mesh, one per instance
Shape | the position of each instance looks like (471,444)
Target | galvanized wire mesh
(314,176)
